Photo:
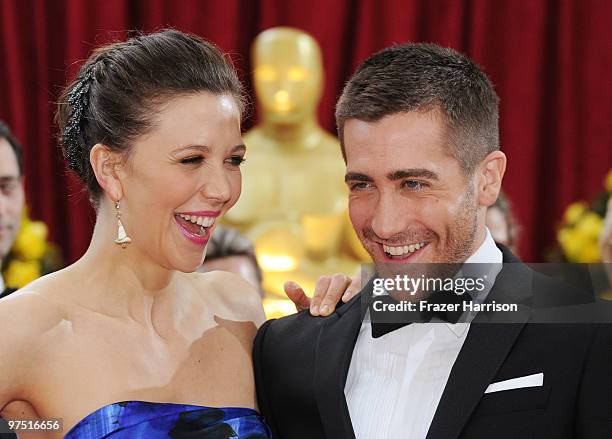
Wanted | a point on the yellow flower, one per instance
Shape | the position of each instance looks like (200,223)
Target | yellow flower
(608,181)
(574,211)
(590,253)
(572,243)
(18,274)
(590,225)
(31,240)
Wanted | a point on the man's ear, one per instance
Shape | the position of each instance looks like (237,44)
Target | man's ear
(105,164)
(490,174)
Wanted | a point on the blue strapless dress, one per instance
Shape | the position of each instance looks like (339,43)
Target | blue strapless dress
(154,420)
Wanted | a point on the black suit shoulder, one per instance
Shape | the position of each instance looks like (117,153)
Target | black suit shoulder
(6,292)
(284,358)
(285,348)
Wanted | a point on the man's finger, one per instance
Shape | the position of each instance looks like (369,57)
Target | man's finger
(336,288)
(320,290)
(352,289)
(297,295)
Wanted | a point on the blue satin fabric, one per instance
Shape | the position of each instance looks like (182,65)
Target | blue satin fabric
(153,420)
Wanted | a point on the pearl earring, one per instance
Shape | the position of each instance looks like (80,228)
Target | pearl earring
(122,239)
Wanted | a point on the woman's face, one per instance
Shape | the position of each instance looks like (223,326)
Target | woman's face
(181,177)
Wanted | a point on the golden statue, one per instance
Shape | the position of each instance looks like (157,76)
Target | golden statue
(294,200)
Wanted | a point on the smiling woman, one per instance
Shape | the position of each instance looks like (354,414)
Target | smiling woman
(152,127)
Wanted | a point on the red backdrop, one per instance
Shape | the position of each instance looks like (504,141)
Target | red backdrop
(549,61)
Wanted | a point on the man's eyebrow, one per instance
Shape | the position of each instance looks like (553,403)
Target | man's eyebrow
(356,176)
(8,178)
(412,173)
(239,148)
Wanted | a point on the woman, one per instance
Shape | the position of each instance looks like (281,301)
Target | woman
(129,341)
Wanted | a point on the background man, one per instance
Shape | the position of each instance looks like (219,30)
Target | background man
(11,194)
(418,126)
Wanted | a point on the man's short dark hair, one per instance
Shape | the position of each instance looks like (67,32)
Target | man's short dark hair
(5,133)
(423,77)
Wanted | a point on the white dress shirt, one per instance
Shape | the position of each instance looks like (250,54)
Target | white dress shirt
(1,284)
(395,382)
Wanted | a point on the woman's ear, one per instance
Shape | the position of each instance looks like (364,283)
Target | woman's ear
(104,163)
(491,172)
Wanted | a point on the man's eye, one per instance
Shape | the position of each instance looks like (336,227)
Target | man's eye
(7,188)
(359,186)
(236,160)
(413,184)
(192,160)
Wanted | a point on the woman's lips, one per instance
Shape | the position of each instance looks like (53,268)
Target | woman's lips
(200,238)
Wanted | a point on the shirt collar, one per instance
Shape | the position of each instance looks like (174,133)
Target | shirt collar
(2,287)
(487,253)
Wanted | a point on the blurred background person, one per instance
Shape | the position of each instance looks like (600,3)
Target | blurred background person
(229,250)
(605,244)
(605,239)
(12,197)
(502,223)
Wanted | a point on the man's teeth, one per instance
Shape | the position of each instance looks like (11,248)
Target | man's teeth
(402,250)
(204,221)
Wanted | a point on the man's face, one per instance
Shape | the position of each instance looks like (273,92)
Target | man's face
(409,200)
(11,197)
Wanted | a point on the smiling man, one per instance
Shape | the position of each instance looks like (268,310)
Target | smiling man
(11,194)
(418,126)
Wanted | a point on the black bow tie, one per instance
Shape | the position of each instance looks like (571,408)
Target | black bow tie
(384,322)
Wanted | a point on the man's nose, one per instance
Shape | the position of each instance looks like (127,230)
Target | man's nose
(389,218)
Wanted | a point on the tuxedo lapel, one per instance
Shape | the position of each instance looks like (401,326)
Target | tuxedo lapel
(333,357)
(483,353)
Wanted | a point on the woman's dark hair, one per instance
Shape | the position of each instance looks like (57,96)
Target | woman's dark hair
(119,89)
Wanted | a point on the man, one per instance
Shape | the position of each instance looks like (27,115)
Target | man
(11,206)
(11,194)
(418,126)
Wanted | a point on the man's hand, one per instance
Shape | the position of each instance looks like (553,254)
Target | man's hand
(327,294)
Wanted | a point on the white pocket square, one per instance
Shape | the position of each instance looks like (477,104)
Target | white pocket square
(535,380)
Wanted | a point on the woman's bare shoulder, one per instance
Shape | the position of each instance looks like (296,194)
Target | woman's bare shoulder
(27,318)
(32,311)
(232,293)
(28,312)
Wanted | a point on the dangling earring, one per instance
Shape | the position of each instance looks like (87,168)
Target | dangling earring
(122,239)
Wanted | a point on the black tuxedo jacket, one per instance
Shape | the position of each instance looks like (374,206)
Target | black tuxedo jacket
(6,292)
(301,364)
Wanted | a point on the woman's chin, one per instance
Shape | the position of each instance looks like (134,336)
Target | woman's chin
(186,263)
